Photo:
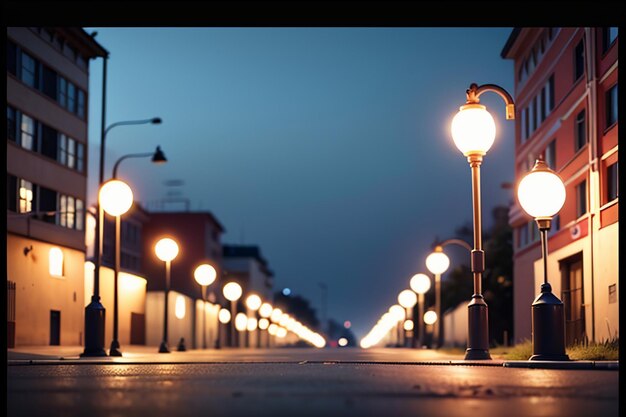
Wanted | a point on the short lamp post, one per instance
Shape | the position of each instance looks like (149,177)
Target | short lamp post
(232,292)
(437,263)
(420,283)
(205,275)
(115,198)
(408,299)
(265,311)
(166,250)
(430,318)
(473,131)
(253,303)
(223,317)
(398,314)
(541,193)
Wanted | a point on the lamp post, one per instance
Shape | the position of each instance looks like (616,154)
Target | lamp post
(166,250)
(398,313)
(420,283)
(437,263)
(473,131)
(430,318)
(232,292)
(265,311)
(253,302)
(115,198)
(223,317)
(205,275)
(541,193)
(408,299)
(158,157)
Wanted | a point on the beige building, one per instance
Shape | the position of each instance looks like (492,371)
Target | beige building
(47,119)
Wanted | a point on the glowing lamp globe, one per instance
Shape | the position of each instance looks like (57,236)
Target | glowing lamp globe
(408,325)
(205,274)
(166,249)
(253,302)
(473,129)
(430,317)
(232,291)
(437,262)
(224,316)
(241,322)
(115,197)
(265,310)
(407,298)
(420,283)
(541,192)
(252,324)
(397,312)
(264,323)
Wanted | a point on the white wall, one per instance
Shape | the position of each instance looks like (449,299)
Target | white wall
(455,326)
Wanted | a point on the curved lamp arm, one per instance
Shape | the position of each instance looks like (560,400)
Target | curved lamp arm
(474,91)
(133,155)
(153,120)
(458,242)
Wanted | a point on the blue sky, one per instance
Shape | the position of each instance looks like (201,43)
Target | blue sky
(327,147)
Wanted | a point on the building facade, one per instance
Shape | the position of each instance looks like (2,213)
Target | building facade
(198,236)
(566,104)
(47,121)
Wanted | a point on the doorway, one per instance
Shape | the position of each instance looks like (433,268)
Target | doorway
(573,298)
(55,328)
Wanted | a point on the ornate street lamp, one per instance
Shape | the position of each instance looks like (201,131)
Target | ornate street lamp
(437,263)
(232,292)
(420,283)
(408,299)
(205,275)
(115,198)
(473,131)
(166,250)
(541,193)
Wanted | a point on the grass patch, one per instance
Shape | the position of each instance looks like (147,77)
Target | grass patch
(602,351)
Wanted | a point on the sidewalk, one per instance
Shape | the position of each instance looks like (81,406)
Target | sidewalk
(70,355)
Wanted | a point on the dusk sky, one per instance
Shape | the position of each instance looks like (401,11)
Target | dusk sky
(330,148)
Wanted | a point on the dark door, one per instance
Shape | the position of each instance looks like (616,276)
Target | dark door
(137,329)
(55,328)
(573,299)
(10,314)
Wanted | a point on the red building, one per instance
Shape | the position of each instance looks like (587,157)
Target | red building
(566,100)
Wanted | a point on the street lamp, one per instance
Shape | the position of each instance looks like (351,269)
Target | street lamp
(408,299)
(473,132)
(265,311)
(430,318)
(115,198)
(232,292)
(205,275)
(253,302)
(541,193)
(437,263)
(420,283)
(166,250)
(158,157)
(95,312)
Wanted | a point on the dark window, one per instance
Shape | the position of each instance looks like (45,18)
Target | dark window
(525,124)
(534,114)
(80,157)
(80,100)
(71,97)
(551,93)
(11,57)
(11,192)
(550,154)
(49,142)
(579,60)
(609,35)
(612,182)
(29,74)
(542,102)
(55,327)
(11,123)
(580,132)
(611,106)
(581,198)
(62,98)
(49,83)
(48,203)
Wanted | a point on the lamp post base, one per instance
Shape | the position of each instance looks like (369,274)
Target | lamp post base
(548,331)
(114,350)
(163,348)
(94,329)
(478,330)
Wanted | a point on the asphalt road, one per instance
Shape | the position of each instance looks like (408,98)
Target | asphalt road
(302,382)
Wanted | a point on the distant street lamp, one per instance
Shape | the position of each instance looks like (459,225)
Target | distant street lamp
(541,193)
(265,311)
(430,318)
(223,317)
(420,283)
(166,250)
(473,131)
(115,198)
(398,313)
(437,263)
(408,299)
(232,292)
(253,303)
(205,275)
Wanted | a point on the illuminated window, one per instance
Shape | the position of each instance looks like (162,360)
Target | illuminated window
(180,307)
(27,128)
(26,196)
(609,35)
(55,262)
(612,182)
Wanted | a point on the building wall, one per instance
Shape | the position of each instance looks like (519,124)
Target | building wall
(177,327)
(37,292)
(455,326)
(206,314)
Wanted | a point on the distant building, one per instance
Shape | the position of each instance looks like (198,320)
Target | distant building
(567,102)
(47,124)
(198,236)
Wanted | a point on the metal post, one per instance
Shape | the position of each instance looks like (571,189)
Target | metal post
(115,344)
(478,324)
(233,336)
(420,320)
(407,333)
(204,346)
(164,344)
(437,328)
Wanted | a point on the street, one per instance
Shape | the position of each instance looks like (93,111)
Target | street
(301,382)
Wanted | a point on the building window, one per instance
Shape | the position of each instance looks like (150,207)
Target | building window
(71,209)
(612,182)
(11,192)
(580,132)
(543,106)
(522,232)
(80,157)
(609,35)
(579,60)
(55,262)
(535,115)
(11,57)
(49,142)
(48,203)
(80,101)
(29,71)
(26,196)
(62,97)
(71,153)
(525,123)
(611,106)
(550,154)
(71,97)
(550,94)
(49,83)
(11,124)
(581,198)
(27,133)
